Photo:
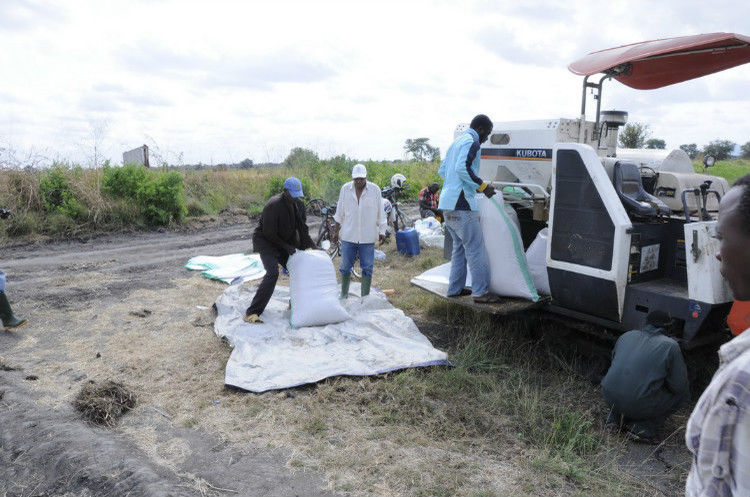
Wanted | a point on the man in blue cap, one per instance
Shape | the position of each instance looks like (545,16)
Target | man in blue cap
(281,231)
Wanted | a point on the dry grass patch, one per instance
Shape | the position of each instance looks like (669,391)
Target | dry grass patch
(104,404)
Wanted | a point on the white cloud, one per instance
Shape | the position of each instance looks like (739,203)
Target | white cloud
(225,80)
(23,15)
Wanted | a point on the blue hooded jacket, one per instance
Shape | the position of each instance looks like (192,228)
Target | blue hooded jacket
(459,171)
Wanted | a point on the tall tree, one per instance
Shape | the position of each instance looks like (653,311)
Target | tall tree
(656,143)
(720,149)
(634,135)
(691,149)
(421,150)
(745,151)
(299,156)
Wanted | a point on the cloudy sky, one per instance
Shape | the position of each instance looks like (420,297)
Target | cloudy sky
(221,81)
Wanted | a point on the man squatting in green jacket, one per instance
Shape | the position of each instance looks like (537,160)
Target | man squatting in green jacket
(647,380)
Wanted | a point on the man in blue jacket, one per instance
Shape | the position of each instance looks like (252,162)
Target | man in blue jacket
(459,170)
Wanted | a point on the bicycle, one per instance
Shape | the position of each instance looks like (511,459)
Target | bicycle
(314,206)
(396,216)
(326,230)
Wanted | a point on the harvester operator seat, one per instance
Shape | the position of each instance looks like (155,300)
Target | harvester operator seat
(638,202)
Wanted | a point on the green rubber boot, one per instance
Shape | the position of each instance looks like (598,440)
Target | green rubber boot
(6,314)
(366,281)
(346,278)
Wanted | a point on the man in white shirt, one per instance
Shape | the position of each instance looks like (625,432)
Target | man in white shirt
(360,222)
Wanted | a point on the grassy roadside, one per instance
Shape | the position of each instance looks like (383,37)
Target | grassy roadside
(510,396)
(66,201)
(728,169)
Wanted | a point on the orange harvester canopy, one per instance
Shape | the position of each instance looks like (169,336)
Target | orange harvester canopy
(657,63)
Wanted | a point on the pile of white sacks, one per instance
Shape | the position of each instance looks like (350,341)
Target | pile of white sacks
(430,232)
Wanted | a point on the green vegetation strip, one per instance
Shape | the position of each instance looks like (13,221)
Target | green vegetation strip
(68,200)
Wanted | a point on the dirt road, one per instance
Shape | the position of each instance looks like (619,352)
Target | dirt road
(83,300)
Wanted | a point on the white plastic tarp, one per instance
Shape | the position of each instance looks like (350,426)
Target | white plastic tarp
(228,268)
(441,274)
(377,339)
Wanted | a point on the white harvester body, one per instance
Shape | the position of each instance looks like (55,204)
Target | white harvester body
(630,230)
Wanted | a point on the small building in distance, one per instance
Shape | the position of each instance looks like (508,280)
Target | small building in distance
(136,156)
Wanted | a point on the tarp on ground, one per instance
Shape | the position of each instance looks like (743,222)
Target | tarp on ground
(228,268)
(441,274)
(379,338)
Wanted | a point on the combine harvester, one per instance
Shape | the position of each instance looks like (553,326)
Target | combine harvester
(630,231)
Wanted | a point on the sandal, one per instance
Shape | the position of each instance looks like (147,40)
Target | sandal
(253,319)
(488,298)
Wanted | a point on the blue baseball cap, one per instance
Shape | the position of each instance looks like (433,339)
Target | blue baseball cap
(294,187)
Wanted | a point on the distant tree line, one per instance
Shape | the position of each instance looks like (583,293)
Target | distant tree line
(243,164)
(720,149)
(638,135)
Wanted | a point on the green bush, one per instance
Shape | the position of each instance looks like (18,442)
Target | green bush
(123,182)
(60,225)
(276,186)
(254,210)
(161,198)
(121,214)
(55,192)
(195,208)
(22,224)
(300,157)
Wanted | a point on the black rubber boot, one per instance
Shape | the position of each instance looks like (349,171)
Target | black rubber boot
(6,314)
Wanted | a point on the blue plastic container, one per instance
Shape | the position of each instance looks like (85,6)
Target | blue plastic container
(407,241)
